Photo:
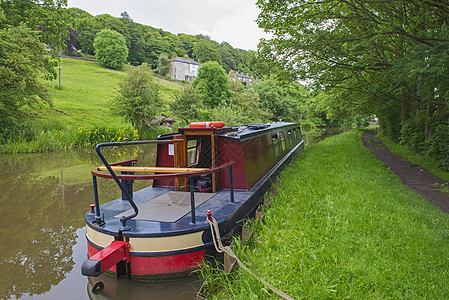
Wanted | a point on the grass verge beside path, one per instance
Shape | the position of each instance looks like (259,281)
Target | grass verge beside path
(342,225)
(419,159)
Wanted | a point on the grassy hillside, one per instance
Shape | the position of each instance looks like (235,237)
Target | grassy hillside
(80,114)
(86,89)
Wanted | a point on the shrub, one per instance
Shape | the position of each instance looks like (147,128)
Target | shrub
(110,49)
(412,134)
(438,146)
(137,99)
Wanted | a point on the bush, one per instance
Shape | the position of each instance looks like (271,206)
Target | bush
(438,146)
(137,99)
(230,114)
(412,135)
(110,49)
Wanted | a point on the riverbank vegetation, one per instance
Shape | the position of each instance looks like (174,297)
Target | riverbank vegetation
(342,225)
(383,57)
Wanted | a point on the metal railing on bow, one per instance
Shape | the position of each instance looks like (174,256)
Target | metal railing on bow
(128,175)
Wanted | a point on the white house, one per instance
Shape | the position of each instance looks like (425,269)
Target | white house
(183,68)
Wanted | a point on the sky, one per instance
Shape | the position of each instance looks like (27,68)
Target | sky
(232,21)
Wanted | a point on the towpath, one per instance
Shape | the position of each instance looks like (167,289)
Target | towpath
(414,176)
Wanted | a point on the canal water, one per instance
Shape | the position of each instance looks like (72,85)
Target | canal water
(43,201)
(44,198)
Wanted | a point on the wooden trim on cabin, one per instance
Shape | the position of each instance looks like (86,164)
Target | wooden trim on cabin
(180,161)
(214,162)
(151,169)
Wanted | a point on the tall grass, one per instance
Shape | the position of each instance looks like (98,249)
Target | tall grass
(58,139)
(342,225)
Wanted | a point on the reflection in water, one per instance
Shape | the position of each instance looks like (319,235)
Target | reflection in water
(185,289)
(44,198)
(43,201)
(318,134)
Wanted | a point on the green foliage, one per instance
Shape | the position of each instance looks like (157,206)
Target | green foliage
(213,84)
(187,104)
(439,146)
(47,16)
(146,43)
(164,65)
(412,134)
(282,103)
(25,26)
(387,58)
(230,114)
(22,63)
(204,52)
(31,140)
(249,104)
(110,49)
(137,99)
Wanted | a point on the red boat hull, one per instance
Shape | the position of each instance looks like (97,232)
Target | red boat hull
(160,266)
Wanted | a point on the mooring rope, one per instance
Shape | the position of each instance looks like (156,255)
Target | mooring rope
(215,232)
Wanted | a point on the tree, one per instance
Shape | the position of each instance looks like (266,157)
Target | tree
(164,64)
(110,49)
(212,83)
(187,104)
(382,57)
(23,64)
(204,52)
(47,16)
(137,99)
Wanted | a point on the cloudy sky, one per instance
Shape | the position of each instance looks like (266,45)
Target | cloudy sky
(232,21)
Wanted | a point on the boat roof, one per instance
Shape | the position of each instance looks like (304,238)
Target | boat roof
(242,132)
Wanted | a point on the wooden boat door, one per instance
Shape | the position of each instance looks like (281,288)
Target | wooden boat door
(183,153)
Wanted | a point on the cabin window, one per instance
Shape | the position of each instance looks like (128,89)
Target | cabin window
(282,138)
(289,138)
(192,152)
(299,133)
(275,145)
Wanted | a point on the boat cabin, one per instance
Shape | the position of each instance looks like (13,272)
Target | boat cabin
(161,231)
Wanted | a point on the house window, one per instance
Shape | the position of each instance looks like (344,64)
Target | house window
(275,145)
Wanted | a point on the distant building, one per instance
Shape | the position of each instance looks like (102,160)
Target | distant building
(183,69)
(244,77)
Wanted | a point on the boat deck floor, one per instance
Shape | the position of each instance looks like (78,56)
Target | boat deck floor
(162,211)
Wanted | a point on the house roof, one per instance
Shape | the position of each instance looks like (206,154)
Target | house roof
(185,60)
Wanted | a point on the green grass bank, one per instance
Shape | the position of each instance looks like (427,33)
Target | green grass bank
(342,225)
(80,114)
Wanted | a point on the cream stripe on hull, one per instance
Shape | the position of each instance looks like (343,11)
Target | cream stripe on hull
(156,244)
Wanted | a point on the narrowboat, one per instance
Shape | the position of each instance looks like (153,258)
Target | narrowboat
(161,231)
